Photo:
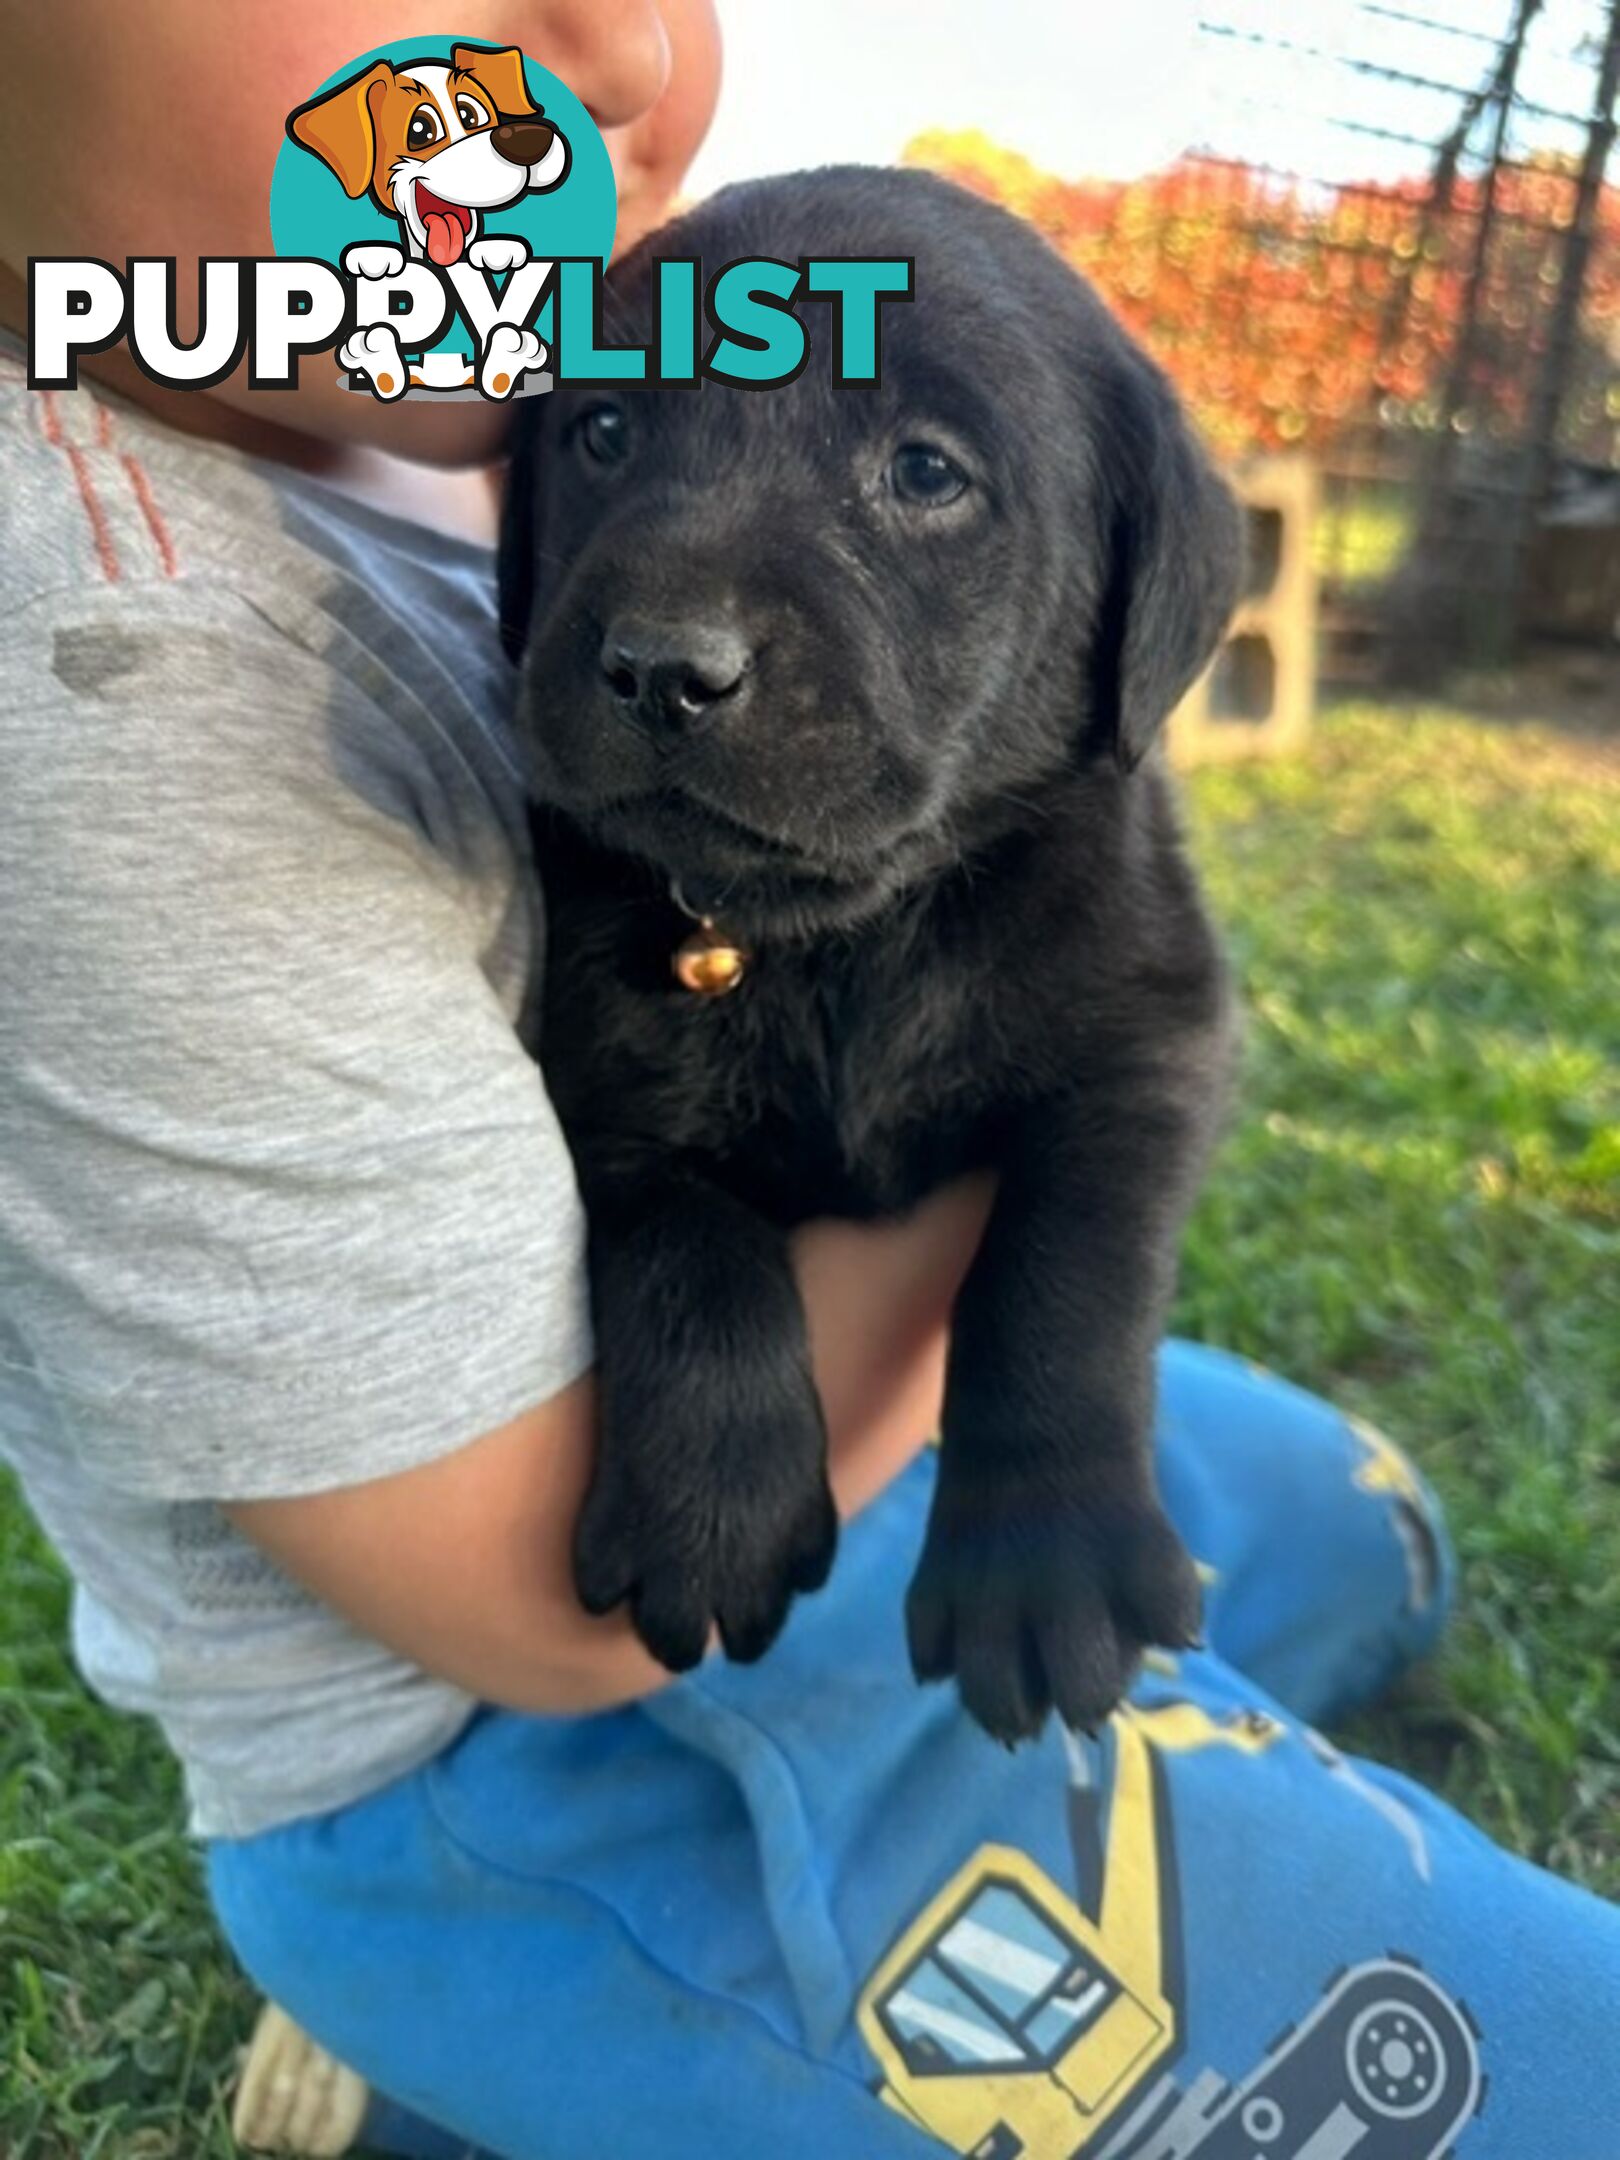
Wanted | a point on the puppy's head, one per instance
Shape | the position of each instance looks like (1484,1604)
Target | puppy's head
(797,648)
(434,144)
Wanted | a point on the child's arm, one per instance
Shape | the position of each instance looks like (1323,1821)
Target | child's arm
(297,1222)
(463,1565)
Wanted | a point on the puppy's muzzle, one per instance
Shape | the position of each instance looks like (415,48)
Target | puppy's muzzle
(671,678)
(521,142)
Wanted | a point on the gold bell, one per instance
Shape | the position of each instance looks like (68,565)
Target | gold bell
(707,963)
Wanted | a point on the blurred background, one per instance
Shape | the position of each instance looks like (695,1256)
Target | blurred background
(1377,244)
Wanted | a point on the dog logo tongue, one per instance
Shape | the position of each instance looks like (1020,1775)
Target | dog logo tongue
(445,226)
(443,237)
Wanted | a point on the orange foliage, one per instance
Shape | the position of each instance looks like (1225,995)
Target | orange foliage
(1286,311)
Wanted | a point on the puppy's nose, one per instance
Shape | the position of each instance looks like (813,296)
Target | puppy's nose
(521,142)
(670,677)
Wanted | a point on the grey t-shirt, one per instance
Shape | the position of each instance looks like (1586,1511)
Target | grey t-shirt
(283,1205)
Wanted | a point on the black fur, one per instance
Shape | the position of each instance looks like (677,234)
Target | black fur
(931,809)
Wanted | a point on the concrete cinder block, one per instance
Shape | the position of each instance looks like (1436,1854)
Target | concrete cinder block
(1258,696)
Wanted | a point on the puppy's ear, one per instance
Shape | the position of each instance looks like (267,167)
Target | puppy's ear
(340,130)
(500,73)
(519,509)
(1174,536)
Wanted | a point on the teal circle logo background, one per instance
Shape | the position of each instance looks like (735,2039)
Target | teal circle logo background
(311,215)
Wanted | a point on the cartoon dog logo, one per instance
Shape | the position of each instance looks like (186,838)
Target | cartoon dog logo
(435,146)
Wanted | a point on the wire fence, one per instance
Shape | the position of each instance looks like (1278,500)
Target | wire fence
(1397,249)
(1478,330)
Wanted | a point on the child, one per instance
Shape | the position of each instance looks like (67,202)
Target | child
(294,1363)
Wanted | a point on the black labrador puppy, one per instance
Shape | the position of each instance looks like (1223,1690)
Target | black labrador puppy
(868,680)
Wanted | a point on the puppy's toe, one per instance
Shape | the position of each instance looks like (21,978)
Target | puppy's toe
(815,1545)
(1088,1664)
(750,1620)
(1157,1586)
(930,1626)
(604,1556)
(1000,1673)
(672,1618)
(760,1585)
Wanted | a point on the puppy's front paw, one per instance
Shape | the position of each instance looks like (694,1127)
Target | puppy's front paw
(709,1529)
(1038,1601)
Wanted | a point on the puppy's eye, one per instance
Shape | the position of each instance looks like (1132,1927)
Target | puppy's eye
(921,473)
(604,434)
(470,113)
(425,128)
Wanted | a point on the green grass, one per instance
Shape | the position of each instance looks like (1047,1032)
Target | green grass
(118,2013)
(1417,1211)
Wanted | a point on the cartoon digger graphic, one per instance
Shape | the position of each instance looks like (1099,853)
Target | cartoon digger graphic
(1013,2020)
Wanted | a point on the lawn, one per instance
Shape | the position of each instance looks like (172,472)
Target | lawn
(1418,1210)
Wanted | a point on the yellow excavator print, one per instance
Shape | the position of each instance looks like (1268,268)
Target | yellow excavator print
(1006,2018)
(1013,2021)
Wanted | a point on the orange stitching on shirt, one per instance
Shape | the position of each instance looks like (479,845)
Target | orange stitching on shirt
(153,515)
(142,486)
(101,531)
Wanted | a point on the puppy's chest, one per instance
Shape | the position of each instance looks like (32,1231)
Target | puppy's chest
(869,1091)
(834,1080)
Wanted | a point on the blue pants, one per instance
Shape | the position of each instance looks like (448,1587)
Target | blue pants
(806,1910)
